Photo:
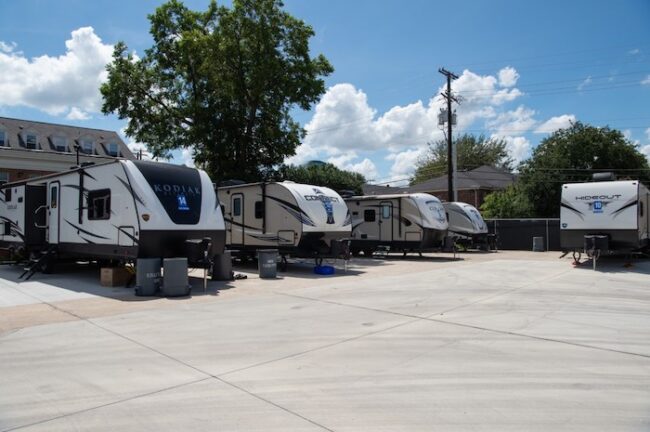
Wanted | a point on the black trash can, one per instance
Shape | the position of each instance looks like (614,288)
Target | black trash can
(267,263)
(222,267)
(147,274)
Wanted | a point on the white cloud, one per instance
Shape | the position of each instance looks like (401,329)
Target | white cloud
(404,162)
(77,114)
(634,51)
(518,147)
(554,123)
(365,167)
(187,158)
(344,120)
(646,80)
(7,47)
(585,83)
(344,125)
(508,77)
(56,84)
(517,121)
(646,151)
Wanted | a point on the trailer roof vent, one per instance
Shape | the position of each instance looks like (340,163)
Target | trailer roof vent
(346,193)
(603,176)
(232,182)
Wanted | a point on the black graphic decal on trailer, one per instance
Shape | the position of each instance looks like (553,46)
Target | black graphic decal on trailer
(633,202)
(14,229)
(131,191)
(126,233)
(81,230)
(294,211)
(569,207)
(229,220)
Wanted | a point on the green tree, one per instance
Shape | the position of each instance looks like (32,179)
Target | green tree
(471,152)
(324,174)
(509,203)
(573,155)
(220,82)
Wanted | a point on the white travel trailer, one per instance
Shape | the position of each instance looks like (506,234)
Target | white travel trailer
(615,211)
(466,224)
(403,222)
(119,210)
(299,220)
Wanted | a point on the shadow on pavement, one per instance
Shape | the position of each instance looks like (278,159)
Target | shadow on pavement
(85,278)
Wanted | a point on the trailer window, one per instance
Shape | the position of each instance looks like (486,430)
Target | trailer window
(259,209)
(54,195)
(8,194)
(99,204)
(369,215)
(385,211)
(236,207)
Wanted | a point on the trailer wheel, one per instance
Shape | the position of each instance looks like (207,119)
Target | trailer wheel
(368,252)
(356,252)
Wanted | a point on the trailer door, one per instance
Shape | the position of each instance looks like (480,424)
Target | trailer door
(237,219)
(53,213)
(386,221)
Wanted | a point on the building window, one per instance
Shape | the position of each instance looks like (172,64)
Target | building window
(99,204)
(113,149)
(369,215)
(259,209)
(31,140)
(3,138)
(87,146)
(60,143)
(4,177)
(236,207)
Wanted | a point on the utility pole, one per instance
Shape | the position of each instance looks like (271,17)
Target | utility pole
(451,156)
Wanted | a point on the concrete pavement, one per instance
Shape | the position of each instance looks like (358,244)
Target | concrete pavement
(506,341)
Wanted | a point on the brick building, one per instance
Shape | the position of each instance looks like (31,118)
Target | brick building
(472,186)
(30,149)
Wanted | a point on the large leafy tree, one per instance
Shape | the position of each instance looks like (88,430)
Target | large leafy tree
(573,155)
(220,82)
(323,174)
(471,152)
(511,202)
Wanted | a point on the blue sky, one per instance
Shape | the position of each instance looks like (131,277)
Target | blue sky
(526,69)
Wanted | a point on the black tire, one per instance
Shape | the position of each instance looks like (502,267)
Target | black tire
(356,252)
(368,252)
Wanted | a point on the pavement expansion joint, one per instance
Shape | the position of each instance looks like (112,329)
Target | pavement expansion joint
(475,327)
(85,410)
